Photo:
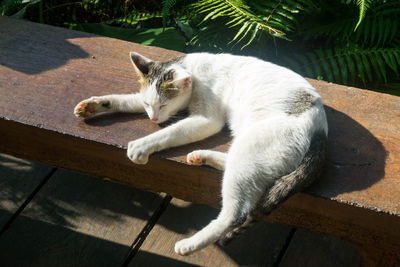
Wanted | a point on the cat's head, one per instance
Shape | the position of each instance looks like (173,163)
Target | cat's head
(165,86)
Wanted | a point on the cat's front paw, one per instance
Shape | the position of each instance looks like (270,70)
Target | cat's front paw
(195,158)
(185,246)
(139,151)
(91,106)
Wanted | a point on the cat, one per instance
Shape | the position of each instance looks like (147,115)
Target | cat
(276,117)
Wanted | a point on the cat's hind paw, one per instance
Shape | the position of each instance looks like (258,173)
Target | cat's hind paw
(90,107)
(184,247)
(195,158)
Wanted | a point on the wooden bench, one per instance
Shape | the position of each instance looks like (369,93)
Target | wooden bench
(45,71)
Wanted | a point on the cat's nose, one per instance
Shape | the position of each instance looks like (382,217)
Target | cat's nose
(154,119)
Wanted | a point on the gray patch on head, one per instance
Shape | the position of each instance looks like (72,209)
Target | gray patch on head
(164,86)
(156,69)
(300,102)
(158,73)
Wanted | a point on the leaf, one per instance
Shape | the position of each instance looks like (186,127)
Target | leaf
(244,27)
(342,65)
(251,38)
(315,64)
(381,66)
(335,67)
(166,9)
(325,65)
(360,68)
(240,14)
(365,62)
(373,65)
(21,13)
(247,31)
(363,5)
(167,38)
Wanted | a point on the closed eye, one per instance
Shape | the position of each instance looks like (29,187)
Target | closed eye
(161,106)
(145,103)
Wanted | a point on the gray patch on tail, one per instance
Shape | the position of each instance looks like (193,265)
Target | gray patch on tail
(248,221)
(240,218)
(309,169)
(300,102)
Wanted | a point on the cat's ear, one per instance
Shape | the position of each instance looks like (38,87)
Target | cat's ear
(182,80)
(140,63)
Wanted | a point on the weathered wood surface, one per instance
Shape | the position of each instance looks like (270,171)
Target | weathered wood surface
(75,220)
(315,249)
(45,71)
(19,178)
(260,246)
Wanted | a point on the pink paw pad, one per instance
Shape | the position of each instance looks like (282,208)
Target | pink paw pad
(195,159)
(84,109)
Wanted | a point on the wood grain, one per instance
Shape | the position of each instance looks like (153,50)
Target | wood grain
(18,179)
(45,71)
(314,249)
(76,220)
(260,246)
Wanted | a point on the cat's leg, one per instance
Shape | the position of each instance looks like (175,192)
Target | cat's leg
(256,158)
(188,130)
(214,159)
(109,103)
(239,197)
(241,190)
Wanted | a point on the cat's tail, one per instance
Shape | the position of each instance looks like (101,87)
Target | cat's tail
(296,181)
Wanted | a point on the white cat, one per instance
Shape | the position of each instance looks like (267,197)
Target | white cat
(276,117)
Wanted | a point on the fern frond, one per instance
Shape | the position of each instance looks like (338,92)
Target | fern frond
(349,64)
(379,28)
(239,14)
(166,9)
(363,5)
(133,19)
(10,7)
(210,38)
(282,13)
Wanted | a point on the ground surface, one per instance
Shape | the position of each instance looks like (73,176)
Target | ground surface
(53,217)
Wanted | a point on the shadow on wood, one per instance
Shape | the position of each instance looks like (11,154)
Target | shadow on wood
(356,159)
(35,57)
(39,243)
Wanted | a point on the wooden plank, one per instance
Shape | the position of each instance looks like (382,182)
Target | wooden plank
(47,70)
(260,246)
(77,220)
(18,179)
(308,249)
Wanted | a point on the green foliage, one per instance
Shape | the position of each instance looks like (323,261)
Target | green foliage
(354,42)
(167,38)
(367,57)
(166,9)
(347,65)
(274,17)
(239,14)
(363,6)
(137,20)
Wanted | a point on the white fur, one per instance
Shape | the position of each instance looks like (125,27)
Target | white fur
(250,95)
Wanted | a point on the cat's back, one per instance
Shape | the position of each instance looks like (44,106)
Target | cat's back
(251,72)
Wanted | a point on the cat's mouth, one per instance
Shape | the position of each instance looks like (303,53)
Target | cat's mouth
(157,121)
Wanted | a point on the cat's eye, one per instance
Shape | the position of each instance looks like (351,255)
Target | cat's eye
(145,103)
(161,106)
